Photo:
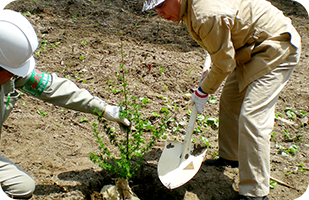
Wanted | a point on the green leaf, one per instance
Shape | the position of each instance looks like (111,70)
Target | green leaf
(303,113)
(212,99)
(293,149)
(205,140)
(164,135)
(163,109)
(272,184)
(41,112)
(290,113)
(156,114)
(84,119)
(160,96)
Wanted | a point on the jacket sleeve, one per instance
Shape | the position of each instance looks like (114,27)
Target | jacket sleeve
(215,33)
(63,92)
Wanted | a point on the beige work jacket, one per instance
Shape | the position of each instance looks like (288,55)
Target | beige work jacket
(250,36)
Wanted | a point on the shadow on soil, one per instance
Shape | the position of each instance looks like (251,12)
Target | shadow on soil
(146,184)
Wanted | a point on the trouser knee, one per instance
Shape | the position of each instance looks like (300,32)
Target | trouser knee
(22,187)
(15,182)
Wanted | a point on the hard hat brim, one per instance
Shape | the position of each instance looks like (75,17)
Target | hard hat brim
(24,70)
(151,4)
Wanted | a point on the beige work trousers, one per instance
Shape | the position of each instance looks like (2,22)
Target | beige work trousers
(246,121)
(14,181)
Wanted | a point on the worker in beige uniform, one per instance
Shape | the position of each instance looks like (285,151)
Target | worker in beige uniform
(255,48)
(18,41)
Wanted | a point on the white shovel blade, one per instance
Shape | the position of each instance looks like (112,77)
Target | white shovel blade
(171,172)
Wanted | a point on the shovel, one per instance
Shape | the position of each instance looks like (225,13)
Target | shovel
(178,164)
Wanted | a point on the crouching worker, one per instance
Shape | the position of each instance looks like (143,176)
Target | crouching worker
(18,41)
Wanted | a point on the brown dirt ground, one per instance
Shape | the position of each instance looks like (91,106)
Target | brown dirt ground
(54,149)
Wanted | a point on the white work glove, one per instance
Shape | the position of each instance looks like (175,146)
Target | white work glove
(112,113)
(199,98)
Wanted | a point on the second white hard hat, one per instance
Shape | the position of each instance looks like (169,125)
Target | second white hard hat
(18,42)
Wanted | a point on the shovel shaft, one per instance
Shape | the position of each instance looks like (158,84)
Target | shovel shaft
(176,165)
(190,128)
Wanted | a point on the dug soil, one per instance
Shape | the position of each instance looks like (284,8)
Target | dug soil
(80,40)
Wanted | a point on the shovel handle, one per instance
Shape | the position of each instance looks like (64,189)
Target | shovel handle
(190,128)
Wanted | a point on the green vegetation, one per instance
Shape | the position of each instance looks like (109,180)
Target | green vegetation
(130,143)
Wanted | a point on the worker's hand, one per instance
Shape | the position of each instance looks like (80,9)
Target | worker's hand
(112,113)
(199,98)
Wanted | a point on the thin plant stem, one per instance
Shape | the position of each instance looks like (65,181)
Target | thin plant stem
(125,94)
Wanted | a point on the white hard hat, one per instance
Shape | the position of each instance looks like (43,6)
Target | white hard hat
(18,42)
(151,4)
